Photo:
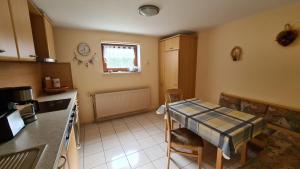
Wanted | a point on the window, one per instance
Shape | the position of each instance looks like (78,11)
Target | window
(120,58)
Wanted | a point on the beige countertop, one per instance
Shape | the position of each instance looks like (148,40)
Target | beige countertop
(49,129)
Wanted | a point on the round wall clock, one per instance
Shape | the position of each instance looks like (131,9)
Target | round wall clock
(83,49)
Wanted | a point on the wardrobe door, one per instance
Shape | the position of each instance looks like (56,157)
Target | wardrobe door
(171,59)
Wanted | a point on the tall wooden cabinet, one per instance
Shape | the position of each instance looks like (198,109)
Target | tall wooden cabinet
(178,58)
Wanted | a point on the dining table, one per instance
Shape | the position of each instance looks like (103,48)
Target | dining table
(228,129)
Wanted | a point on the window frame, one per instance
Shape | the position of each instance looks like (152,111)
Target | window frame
(115,70)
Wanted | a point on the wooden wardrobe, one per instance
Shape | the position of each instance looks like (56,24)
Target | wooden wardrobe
(178,59)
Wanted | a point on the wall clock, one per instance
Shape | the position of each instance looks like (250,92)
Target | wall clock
(83,49)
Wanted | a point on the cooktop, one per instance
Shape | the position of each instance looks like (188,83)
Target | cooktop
(53,105)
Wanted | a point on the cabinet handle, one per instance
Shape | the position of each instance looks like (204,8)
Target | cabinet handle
(33,56)
(2,51)
(63,164)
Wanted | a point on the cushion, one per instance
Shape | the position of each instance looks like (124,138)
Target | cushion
(230,102)
(183,136)
(284,118)
(257,109)
(282,152)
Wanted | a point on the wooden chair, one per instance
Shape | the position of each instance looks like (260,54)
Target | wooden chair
(183,138)
(172,95)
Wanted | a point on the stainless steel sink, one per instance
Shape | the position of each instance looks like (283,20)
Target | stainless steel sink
(26,159)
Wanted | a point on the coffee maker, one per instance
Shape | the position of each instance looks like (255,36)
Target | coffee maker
(11,120)
(22,97)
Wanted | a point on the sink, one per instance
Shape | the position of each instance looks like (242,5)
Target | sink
(26,159)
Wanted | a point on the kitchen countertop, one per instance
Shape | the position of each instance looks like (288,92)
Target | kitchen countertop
(49,129)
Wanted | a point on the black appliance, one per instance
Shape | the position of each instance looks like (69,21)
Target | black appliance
(11,122)
(53,105)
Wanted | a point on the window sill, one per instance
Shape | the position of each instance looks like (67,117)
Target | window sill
(111,73)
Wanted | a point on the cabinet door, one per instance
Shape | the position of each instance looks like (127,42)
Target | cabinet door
(49,37)
(7,40)
(171,69)
(21,20)
(72,154)
(161,72)
(172,43)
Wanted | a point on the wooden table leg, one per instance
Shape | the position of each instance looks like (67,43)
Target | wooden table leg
(244,154)
(219,161)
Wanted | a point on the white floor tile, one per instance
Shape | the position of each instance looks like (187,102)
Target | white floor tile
(114,154)
(109,144)
(131,147)
(154,152)
(92,149)
(121,163)
(103,166)
(145,143)
(180,160)
(163,163)
(94,160)
(147,166)
(138,159)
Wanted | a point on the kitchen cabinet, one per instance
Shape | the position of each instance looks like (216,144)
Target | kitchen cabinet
(172,43)
(72,153)
(22,28)
(8,48)
(178,58)
(43,35)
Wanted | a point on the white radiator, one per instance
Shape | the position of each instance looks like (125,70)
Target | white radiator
(119,102)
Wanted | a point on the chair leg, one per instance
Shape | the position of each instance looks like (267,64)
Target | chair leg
(166,128)
(200,157)
(169,154)
(169,158)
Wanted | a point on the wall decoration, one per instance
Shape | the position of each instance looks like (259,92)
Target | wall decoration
(287,36)
(236,53)
(84,51)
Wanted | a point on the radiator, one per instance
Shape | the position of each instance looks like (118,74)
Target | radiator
(115,103)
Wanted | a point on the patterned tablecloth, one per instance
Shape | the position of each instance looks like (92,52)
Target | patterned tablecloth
(223,127)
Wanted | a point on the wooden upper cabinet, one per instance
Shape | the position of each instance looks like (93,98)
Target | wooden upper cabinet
(172,43)
(50,37)
(22,27)
(43,36)
(8,49)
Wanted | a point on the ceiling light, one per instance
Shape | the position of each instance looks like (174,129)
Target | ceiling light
(148,10)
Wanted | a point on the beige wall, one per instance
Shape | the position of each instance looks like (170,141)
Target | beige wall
(92,79)
(267,71)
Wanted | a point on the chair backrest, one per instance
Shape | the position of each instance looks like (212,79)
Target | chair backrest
(173,95)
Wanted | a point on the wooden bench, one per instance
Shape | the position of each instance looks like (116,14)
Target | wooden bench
(280,139)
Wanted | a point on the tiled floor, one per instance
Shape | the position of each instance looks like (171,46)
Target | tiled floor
(135,142)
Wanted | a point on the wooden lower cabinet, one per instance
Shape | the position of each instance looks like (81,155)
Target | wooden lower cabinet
(72,153)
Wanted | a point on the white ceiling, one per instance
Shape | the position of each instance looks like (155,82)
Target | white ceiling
(175,15)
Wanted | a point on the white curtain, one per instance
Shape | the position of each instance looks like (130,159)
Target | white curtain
(119,56)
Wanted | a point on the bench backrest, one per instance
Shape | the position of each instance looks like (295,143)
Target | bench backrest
(278,117)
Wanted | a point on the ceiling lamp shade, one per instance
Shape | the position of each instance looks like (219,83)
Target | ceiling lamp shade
(148,10)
